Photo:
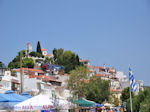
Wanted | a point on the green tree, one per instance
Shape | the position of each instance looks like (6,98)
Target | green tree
(145,105)
(125,94)
(35,54)
(22,53)
(68,59)
(28,63)
(92,88)
(76,81)
(145,101)
(58,53)
(97,90)
(38,49)
(139,101)
(15,63)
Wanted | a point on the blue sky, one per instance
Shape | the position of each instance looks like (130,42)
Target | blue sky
(113,32)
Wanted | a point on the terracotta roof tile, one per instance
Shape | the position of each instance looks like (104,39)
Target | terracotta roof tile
(84,60)
(43,49)
(44,78)
(29,70)
(95,67)
(116,90)
(102,75)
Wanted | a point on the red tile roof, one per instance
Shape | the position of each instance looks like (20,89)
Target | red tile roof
(95,67)
(32,76)
(111,71)
(84,60)
(115,90)
(29,70)
(43,49)
(102,75)
(44,78)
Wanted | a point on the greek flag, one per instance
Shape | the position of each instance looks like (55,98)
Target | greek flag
(133,85)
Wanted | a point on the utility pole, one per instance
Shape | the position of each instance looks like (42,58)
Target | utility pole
(21,74)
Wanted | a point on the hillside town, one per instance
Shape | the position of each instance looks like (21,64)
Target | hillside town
(52,80)
(74,56)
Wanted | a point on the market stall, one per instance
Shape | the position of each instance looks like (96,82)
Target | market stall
(84,103)
(39,102)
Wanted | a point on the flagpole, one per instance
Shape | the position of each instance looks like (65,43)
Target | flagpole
(131,100)
(131,104)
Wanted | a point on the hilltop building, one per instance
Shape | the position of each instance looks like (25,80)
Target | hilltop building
(28,49)
(45,53)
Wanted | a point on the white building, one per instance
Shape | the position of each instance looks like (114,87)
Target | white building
(9,82)
(28,49)
(5,83)
(45,53)
(140,85)
(36,86)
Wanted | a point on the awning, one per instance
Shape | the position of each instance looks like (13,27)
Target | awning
(7,98)
(7,102)
(25,94)
(84,103)
(17,96)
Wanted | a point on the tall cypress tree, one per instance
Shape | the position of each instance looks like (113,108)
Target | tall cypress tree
(38,49)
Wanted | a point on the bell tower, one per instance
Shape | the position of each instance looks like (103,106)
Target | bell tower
(28,49)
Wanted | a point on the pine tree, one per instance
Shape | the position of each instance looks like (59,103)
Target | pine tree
(38,49)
